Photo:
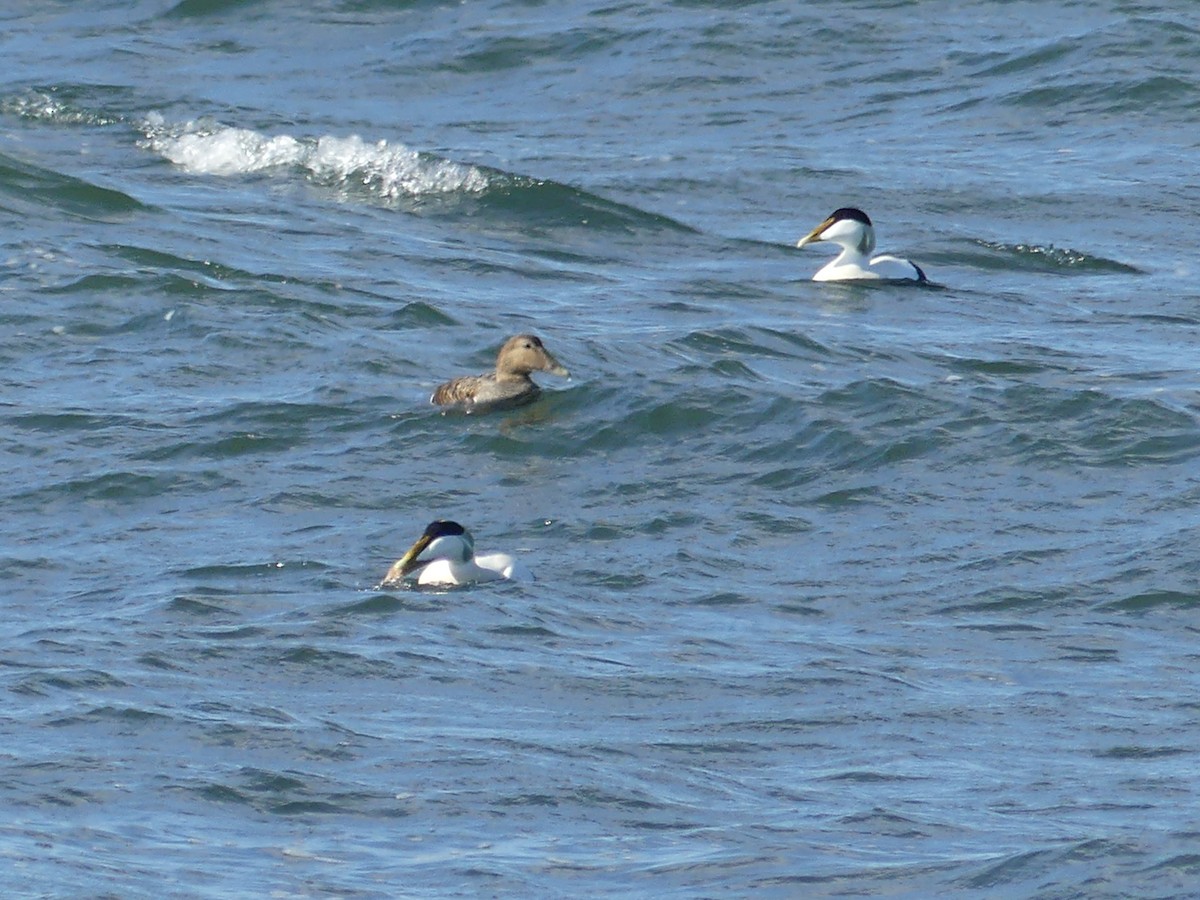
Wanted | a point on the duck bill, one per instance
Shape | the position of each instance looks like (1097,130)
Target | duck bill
(815,235)
(554,367)
(409,562)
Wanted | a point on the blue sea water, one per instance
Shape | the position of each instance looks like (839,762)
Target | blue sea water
(842,590)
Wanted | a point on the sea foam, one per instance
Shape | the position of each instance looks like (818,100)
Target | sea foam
(390,171)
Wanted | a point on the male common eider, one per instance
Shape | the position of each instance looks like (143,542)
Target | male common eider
(445,555)
(851,230)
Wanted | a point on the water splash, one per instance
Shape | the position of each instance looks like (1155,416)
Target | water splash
(389,171)
(45,106)
(1049,258)
(1054,256)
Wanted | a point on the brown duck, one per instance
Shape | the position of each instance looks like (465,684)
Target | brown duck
(510,385)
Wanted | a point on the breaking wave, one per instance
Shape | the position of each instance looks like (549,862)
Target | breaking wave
(387,170)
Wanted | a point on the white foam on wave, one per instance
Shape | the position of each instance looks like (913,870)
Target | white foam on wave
(390,171)
(49,108)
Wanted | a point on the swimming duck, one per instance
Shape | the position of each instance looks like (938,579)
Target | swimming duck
(510,385)
(445,555)
(851,230)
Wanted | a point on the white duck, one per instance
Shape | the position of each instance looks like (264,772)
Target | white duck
(445,555)
(851,230)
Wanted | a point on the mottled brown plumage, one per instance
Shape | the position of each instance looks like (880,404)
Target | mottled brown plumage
(510,384)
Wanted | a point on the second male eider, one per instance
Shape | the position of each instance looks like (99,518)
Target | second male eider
(851,230)
(510,385)
(444,555)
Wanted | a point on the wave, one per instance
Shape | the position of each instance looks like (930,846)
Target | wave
(382,172)
(1153,601)
(388,173)
(206,147)
(1036,258)
(558,205)
(195,9)
(34,187)
(52,106)
(1101,71)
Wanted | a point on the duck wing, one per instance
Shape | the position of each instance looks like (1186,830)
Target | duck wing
(467,389)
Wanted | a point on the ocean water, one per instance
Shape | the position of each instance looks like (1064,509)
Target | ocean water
(842,590)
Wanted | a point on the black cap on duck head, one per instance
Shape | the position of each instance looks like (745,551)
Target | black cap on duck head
(442,528)
(849,212)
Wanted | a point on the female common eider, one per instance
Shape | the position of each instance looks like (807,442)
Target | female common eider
(445,555)
(510,385)
(851,230)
